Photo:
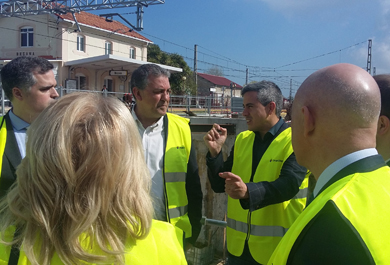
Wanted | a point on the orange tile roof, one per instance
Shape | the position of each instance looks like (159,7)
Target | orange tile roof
(100,22)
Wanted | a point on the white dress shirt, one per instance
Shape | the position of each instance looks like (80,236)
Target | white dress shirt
(153,143)
(20,129)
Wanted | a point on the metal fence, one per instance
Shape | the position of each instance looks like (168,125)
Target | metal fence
(191,105)
(216,105)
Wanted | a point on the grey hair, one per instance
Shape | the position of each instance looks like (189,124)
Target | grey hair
(267,92)
(140,76)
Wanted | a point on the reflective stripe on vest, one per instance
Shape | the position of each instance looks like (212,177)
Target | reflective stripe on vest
(3,140)
(256,230)
(176,158)
(266,226)
(368,213)
(175,177)
(302,194)
(178,211)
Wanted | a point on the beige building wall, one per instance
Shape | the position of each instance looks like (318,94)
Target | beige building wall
(57,40)
(95,41)
(44,41)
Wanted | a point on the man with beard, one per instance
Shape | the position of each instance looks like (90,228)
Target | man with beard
(169,152)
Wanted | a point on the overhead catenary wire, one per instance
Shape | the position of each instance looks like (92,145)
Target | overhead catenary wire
(229,70)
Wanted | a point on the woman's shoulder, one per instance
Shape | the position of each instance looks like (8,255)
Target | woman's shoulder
(163,245)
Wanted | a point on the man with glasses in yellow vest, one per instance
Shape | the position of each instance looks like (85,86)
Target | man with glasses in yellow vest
(266,186)
(334,125)
(29,84)
(169,152)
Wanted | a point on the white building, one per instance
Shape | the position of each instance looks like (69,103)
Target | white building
(102,53)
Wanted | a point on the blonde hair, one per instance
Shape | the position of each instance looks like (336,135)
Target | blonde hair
(83,179)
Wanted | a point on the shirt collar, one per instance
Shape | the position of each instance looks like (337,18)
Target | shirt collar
(17,122)
(139,123)
(339,164)
(275,128)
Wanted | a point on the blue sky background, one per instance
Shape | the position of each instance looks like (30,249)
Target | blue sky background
(278,40)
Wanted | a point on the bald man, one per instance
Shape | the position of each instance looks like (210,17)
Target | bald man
(334,122)
(383,134)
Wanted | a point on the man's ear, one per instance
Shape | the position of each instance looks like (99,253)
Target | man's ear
(17,93)
(308,121)
(383,125)
(271,108)
(137,94)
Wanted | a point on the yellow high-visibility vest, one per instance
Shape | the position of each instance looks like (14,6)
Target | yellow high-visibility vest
(3,140)
(162,246)
(177,153)
(263,228)
(364,199)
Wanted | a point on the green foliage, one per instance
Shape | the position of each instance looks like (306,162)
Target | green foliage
(181,83)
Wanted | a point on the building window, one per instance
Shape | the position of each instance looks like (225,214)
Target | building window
(26,37)
(80,43)
(108,47)
(132,53)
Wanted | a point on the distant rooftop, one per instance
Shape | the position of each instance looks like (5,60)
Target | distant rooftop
(92,20)
(218,80)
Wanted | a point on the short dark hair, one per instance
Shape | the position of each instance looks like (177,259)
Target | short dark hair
(20,73)
(383,82)
(140,76)
(267,92)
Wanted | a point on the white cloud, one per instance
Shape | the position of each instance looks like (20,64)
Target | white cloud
(385,4)
(381,57)
(313,7)
(293,6)
(289,8)
(385,14)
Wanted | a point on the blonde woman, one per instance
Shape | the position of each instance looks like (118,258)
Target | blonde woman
(82,192)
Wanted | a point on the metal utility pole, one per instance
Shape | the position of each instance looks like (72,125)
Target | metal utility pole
(369,56)
(17,8)
(290,97)
(196,67)
(247,76)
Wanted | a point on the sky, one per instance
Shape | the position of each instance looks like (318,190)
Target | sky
(283,41)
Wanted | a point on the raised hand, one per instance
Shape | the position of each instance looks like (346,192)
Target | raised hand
(215,138)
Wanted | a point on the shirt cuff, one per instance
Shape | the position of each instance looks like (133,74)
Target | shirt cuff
(254,196)
(211,159)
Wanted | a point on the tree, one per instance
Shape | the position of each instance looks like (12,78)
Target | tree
(181,83)
(215,70)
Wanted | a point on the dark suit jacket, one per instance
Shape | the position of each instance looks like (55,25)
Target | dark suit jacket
(330,238)
(11,158)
